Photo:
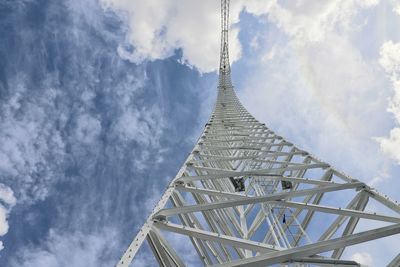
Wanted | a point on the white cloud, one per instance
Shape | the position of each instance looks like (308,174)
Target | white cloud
(320,84)
(391,144)
(3,221)
(7,198)
(363,258)
(312,20)
(88,128)
(390,61)
(157,28)
(396,6)
(70,249)
(7,195)
(27,137)
(142,126)
(269,55)
(390,58)
(321,92)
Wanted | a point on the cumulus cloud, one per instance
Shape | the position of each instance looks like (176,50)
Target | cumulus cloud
(157,29)
(319,82)
(390,61)
(313,21)
(317,88)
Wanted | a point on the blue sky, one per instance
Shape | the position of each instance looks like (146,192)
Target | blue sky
(101,102)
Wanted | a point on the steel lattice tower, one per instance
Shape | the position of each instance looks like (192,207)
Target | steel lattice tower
(247,197)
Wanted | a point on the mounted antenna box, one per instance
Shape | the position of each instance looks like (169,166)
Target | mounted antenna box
(238,183)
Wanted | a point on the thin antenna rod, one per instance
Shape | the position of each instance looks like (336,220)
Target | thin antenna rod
(224,65)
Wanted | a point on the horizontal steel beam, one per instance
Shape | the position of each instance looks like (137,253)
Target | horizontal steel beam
(219,173)
(313,249)
(395,262)
(326,262)
(252,200)
(211,236)
(338,211)
(210,192)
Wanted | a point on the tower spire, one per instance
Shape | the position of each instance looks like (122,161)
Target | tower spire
(224,64)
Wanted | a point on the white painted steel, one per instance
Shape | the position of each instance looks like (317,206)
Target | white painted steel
(290,208)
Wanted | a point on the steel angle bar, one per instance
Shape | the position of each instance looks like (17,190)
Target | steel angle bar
(300,180)
(211,236)
(385,200)
(257,222)
(211,158)
(190,220)
(260,159)
(221,173)
(221,148)
(258,199)
(136,243)
(165,252)
(212,218)
(313,249)
(337,223)
(210,192)
(159,252)
(325,262)
(352,224)
(338,211)
(395,262)
(187,179)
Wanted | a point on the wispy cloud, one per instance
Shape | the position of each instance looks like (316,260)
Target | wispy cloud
(86,134)
(390,61)
(70,249)
(94,136)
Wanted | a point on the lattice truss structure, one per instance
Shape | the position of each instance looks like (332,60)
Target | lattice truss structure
(248,197)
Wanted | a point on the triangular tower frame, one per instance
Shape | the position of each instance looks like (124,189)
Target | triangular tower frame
(247,197)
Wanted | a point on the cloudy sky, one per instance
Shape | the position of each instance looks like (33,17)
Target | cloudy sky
(102,100)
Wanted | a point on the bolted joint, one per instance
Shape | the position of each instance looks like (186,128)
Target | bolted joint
(362,187)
